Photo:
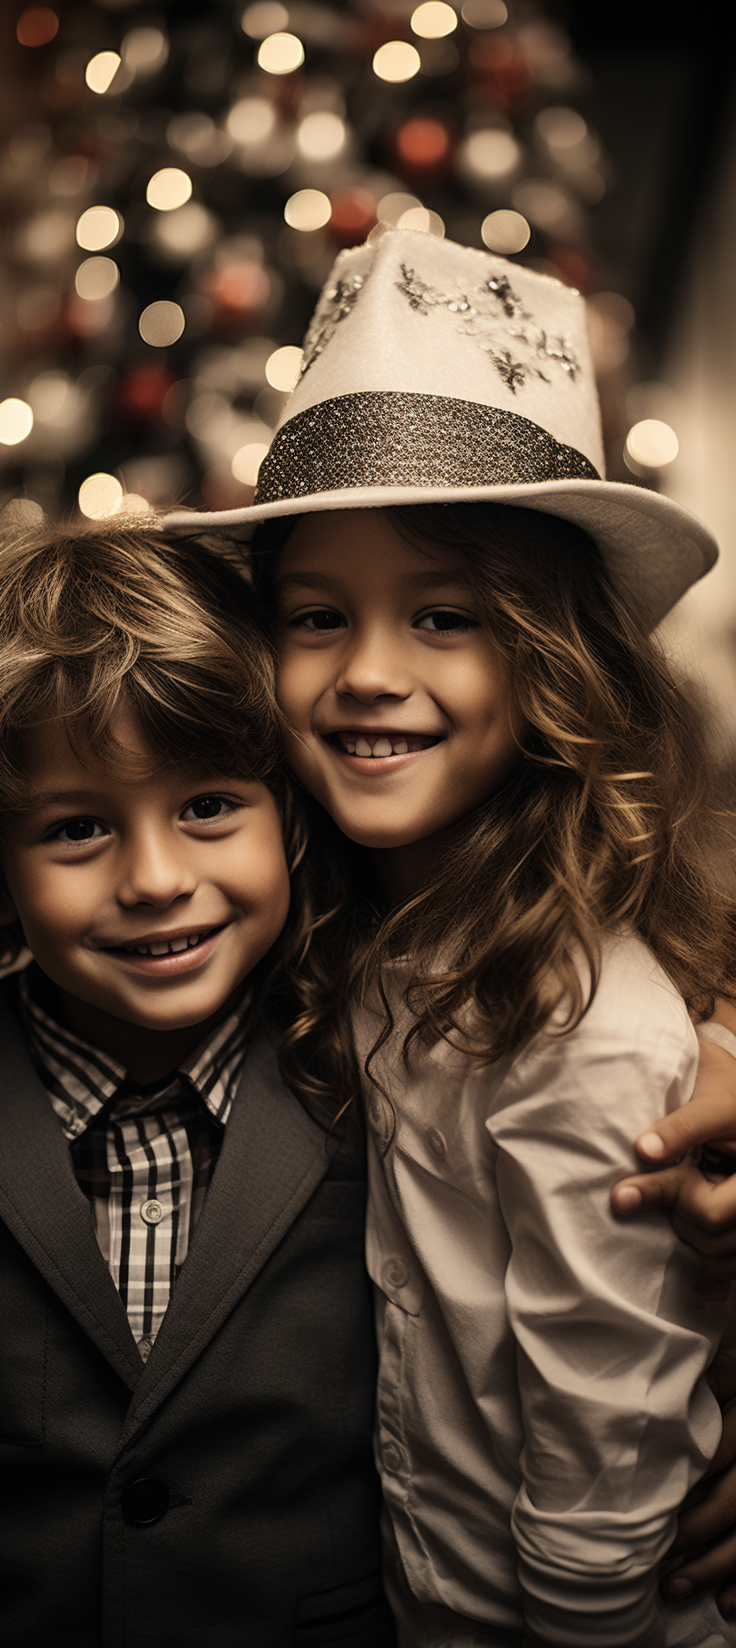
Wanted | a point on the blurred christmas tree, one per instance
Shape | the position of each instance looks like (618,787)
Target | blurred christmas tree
(175,185)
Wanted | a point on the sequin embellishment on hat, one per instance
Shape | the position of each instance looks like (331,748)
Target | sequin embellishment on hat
(479,318)
(336,304)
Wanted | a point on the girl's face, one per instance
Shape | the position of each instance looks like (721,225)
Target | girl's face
(401,712)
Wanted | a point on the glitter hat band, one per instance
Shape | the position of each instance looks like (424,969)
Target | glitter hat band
(436,372)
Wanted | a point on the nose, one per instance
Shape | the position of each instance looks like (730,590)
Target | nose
(154,869)
(372,666)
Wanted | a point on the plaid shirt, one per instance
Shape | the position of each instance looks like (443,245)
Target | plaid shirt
(143,1154)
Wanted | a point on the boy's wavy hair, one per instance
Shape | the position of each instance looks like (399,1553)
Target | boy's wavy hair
(604,820)
(116,614)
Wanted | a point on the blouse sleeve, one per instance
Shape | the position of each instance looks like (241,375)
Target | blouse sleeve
(612,1332)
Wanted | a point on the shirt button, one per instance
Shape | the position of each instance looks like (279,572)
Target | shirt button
(152,1212)
(395,1273)
(392,1457)
(145,1501)
(145,1346)
(436,1142)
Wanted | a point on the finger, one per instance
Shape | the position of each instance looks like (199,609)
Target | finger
(716,1567)
(712,1518)
(726,1601)
(710,1114)
(705,1208)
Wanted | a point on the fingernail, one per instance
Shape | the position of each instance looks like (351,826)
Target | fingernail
(627,1199)
(652,1145)
(678,1589)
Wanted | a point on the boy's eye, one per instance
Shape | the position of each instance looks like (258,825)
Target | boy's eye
(441,622)
(78,829)
(317,620)
(206,807)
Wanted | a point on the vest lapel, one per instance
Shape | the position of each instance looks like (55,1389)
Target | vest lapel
(41,1203)
(273,1157)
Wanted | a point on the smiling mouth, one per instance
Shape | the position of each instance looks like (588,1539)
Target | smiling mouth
(382,744)
(166,947)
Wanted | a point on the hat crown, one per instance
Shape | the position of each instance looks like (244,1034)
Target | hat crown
(411,314)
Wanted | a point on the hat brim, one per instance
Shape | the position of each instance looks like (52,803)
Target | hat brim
(654,548)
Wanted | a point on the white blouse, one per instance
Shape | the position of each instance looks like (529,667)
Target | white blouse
(542,1410)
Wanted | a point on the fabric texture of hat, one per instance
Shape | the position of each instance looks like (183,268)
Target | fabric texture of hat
(433,372)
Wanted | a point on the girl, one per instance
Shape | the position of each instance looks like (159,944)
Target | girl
(472,699)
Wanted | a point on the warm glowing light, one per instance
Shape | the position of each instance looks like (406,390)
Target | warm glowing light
(252,120)
(307,209)
(505,232)
(145,49)
(280,53)
(423,221)
(162,323)
(133,503)
(96,278)
(189,230)
(267,18)
(169,188)
(37,26)
(16,421)
(484,14)
(391,207)
(434,20)
(199,138)
(100,496)
(544,204)
(49,394)
(396,61)
(561,128)
(492,154)
(101,71)
(247,462)
(423,143)
(283,367)
(321,135)
(98,227)
(651,444)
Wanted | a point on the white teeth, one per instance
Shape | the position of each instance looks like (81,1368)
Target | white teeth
(172,947)
(382,746)
(158,949)
(362,747)
(178,944)
(401,747)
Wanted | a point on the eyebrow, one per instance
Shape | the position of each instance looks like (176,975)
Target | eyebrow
(414,580)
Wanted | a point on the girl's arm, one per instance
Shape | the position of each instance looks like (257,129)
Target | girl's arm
(613,1337)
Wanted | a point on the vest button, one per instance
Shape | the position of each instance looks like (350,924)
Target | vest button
(145,1501)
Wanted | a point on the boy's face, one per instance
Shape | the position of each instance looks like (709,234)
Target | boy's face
(402,710)
(146,899)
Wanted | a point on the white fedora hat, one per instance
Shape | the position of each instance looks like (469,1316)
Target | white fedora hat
(437,373)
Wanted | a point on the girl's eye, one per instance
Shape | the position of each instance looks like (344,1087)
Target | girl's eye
(317,620)
(441,622)
(78,830)
(206,808)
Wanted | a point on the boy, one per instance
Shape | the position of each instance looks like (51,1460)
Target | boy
(187,1364)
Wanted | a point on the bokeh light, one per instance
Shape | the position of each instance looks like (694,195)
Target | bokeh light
(247,462)
(434,20)
(145,49)
(484,14)
(16,421)
(492,154)
(251,120)
(100,496)
(397,60)
(37,26)
(307,209)
(96,278)
(99,227)
(505,232)
(169,188)
(651,445)
(321,135)
(280,53)
(162,323)
(267,18)
(101,71)
(283,368)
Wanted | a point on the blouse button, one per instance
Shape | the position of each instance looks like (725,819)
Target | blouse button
(436,1142)
(152,1211)
(395,1273)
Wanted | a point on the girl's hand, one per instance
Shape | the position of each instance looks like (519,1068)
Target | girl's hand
(706,1530)
(704,1206)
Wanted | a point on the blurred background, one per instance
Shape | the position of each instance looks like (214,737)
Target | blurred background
(176,179)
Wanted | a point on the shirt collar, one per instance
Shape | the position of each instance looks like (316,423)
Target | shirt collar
(80,1079)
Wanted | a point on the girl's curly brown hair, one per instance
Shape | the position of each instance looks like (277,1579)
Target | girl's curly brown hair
(605,820)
